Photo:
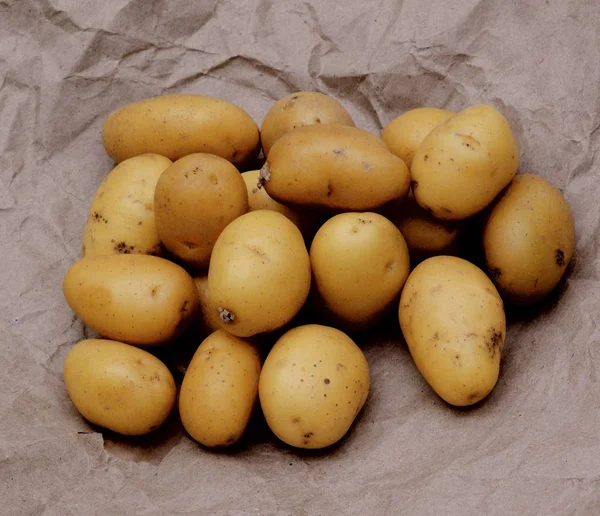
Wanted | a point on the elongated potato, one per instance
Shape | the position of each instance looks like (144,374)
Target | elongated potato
(177,125)
(119,387)
(405,133)
(121,217)
(464,163)
(220,389)
(299,110)
(138,299)
(529,239)
(335,167)
(452,318)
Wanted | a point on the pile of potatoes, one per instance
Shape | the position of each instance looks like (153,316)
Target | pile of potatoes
(267,266)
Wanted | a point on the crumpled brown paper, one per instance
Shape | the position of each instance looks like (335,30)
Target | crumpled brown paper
(532,447)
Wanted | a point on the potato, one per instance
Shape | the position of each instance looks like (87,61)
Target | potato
(121,217)
(177,125)
(219,390)
(119,387)
(209,319)
(425,235)
(134,298)
(335,167)
(452,318)
(195,199)
(464,163)
(405,133)
(360,263)
(529,239)
(313,384)
(258,199)
(259,274)
(299,110)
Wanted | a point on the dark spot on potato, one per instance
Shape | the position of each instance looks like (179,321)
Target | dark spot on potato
(473,396)
(436,289)
(339,152)
(559,256)
(339,366)
(184,307)
(494,273)
(446,210)
(98,217)
(327,381)
(231,439)
(535,282)
(329,189)
(317,120)
(225,315)
(190,245)
(296,420)
(436,336)
(140,223)
(148,206)
(155,290)
(494,341)
(153,427)
(367,166)
(308,435)
(254,190)
(295,97)
(364,221)
(257,251)
(123,248)
(234,154)
(391,265)
(426,157)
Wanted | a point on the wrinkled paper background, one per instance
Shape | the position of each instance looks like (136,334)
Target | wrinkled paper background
(532,448)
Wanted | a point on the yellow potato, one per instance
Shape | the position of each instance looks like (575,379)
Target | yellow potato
(177,125)
(452,318)
(259,274)
(220,389)
(360,263)
(195,199)
(299,110)
(405,133)
(424,234)
(529,239)
(258,199)
(134,298)
(209,315)
(313,384)
(121,217)
(464,163)
(335,167)
(119,387)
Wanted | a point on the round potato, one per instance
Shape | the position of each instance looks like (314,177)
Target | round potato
(334,167)
(452,318)
(259,274)
(134,298)
(121,217)
(405,133)
(529,239)
(195,199)
(119,387)
(177,125)
(313,384)
(209,320)
(219,390)
(360,263)
(464,163)
(425,235)
(299,110)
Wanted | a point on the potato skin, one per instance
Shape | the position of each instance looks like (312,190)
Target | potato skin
(259,273)
(119,387)
(528,239)
(138,299)
(334,167)
(208,319)
(313,384)
(405,133)
(195,199)
(452,318)
(360,263)
(464,163)
(177,125)
(299,110)
(121,216)
(220,389)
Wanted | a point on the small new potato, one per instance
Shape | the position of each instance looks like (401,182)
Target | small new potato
(195,199)
(425,235)
(119,387)
(209,319)
(121,216)
(360,262)
(299,110)
(177,125)
(220,389)
(334,167)
(452,318)
(313,384)
(464,163)
(134,298)
(405,133)
(259,273)
(528,239)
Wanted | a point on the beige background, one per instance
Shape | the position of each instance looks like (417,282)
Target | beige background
(532,448)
